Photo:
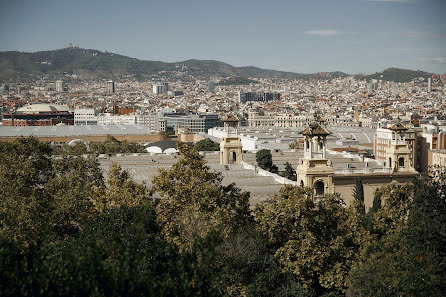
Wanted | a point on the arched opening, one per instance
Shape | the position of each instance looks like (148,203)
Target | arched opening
(320,188)
(401,162)
(302,183)
(390,162)
(307,144)
(321,146)
(234,157)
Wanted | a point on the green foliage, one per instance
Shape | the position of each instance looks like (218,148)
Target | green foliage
(358,191)
(249,269)
(358,195)
(120,253)
(112,146)
(397,75)
(94,64)
(207,145)
(194,202)
(316,242)
(121,191)
(109,146)
(64,232)
(293,145)
(264,160)
(407,257)
(290,172)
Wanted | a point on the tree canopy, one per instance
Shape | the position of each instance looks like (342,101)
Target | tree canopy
(64,231)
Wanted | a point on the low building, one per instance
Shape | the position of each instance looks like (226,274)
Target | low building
(39,115)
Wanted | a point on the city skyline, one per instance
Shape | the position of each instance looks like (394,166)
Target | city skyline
(353,36)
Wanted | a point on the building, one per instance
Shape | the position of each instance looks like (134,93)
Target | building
(4,89)
(211,86)
(258,97)
(429,85)
(110,87)
(107,119)
(161,88)
(86,116)
(230,145)
(382,142)
(175,93)
(59,86)
(198,123)
(322,171)
(39,115)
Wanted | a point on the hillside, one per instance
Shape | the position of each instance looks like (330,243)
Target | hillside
(94,64)
(396,75)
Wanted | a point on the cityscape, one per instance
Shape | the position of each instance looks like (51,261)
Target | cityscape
(175,174)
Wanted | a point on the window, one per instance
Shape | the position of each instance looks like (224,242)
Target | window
(319,187)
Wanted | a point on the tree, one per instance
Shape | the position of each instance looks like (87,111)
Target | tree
(121,191)
(293,145)
(25,168)
(407,255)
(113,146)
(120,253)
(316,242)
(194,202)
(207,145)
(265,160)
(358,195)
(290,172)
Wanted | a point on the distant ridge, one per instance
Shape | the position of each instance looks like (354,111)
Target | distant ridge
(396,75)
(94,64)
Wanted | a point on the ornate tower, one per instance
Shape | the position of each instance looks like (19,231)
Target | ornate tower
(398,154)
(231,146)
(314,169)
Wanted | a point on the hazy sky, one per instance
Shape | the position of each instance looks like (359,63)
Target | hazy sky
(354,36)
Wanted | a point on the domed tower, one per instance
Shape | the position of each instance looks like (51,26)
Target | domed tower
(314,169)
(398,154)
(230,146)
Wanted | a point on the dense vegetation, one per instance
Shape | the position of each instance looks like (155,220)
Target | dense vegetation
(264,160)
(94,64)
(64,231)
(396,75)
(109,146)
(207,145)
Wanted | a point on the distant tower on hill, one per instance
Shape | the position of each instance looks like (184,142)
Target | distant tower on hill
(110,87)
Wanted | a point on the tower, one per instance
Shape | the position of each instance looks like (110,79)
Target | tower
(398,154)
(211,86)
(429,85)
(231,146)
(314,169)
(59,86)
(110,87)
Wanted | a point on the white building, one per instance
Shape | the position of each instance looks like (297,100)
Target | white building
(160,89)
(120,120)
(59,86)
(86,116)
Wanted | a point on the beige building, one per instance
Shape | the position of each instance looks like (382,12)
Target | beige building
(317,169)
(230,145)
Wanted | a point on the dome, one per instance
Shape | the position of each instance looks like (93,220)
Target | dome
(36,108)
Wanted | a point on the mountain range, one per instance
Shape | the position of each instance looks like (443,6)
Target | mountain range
(95,64)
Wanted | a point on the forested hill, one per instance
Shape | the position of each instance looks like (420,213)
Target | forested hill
(397,75)
(94,64)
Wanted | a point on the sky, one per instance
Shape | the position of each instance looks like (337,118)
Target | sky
(353,36)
